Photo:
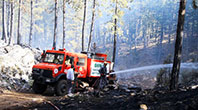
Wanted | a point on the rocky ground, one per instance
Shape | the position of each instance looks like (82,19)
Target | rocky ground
(16,66)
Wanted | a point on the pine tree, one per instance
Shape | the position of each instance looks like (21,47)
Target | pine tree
(63,24)
(8,17)
(83,26)
(31,23)
(92,24)
(55,24)
(115,35)
(11,21)
(19,21)
(3,22)
(178,46)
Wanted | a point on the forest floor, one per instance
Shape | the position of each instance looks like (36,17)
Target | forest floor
(110,98)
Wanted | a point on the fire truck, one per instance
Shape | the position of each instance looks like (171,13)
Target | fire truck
(54,66)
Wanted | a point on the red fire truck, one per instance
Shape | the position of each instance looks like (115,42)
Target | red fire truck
(54,65)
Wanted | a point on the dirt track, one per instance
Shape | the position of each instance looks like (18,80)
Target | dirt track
(15,100)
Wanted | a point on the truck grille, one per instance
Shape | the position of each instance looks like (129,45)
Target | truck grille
(45,73)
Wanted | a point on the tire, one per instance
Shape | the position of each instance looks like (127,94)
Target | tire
(61,88)
(38,88)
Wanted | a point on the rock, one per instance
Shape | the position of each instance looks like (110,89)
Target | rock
(124,88)
(194,87)
(84,84)
(90,89)
(112,86)
(132,94)
(16,66)
(106,89)
(143,107)
(134,88)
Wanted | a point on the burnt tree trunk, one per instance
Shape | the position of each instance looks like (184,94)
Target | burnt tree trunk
(63,24)
(11,22)
(83,26)
(55,24)
(92,24)
(178,47)
(115,36)
(31,23)
(18,28)
(3,22)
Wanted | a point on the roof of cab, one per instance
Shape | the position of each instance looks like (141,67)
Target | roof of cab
(66,52)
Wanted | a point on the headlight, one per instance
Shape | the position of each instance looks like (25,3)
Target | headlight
(55,71)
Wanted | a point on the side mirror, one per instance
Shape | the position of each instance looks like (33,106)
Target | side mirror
(43,54)
(43,51)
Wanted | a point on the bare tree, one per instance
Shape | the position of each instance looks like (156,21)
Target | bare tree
(115,35)
(3,22)
(83,26)
(63,24)
(31,23)
(92,24)
(178,46)
(18,28)
(55,24)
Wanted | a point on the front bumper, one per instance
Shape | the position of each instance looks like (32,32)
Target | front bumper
(41,79)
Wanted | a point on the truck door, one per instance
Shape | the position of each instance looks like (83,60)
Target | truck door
(82,67)
(69,60)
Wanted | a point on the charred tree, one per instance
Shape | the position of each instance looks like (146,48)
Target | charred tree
(55,24)
(18,27)
(178,46)
(31,23)
(115,35)
(11,22)
(83,26)
(3,22)
(92,24)
(63,24)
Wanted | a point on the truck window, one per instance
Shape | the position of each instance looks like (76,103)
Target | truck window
(69,60)
(97,57)
(81,61)
(54,58)
(72,60)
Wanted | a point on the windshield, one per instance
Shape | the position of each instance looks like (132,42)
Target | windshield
(56,58)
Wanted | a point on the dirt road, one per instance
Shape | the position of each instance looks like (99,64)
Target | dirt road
(16,100)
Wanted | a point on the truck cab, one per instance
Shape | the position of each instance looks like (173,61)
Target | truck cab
(54,66)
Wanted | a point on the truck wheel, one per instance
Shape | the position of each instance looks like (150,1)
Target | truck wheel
(61,88)
(38,88)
